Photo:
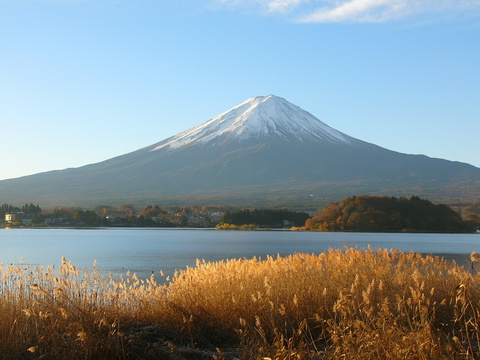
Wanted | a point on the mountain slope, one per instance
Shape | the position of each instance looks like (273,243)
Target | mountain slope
(261,152)
(258,119)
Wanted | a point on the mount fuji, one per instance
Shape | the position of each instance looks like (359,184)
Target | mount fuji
(258,119)
(262,152)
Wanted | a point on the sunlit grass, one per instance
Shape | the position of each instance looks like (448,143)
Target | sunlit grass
(225,226)
(338,305)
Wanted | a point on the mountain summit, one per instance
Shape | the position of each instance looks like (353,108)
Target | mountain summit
(257,119)
(262,152)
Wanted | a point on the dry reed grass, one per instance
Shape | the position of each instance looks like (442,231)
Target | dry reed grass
(338,305)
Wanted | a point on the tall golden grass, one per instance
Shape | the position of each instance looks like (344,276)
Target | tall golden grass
(337,305)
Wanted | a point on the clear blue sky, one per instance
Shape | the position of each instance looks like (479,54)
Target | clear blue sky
(82,81)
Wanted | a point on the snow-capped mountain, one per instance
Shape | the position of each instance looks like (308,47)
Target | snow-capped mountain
(262,152)
(257,119)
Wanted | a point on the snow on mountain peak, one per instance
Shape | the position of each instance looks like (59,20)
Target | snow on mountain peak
(258,118)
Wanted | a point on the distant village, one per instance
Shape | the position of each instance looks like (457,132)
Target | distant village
(127,215)
(123,215)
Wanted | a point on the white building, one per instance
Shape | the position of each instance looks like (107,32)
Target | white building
(10,217)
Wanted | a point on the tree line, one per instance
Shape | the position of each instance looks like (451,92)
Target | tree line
(382,213)
(265,217)
(356,213)
(122,215)
(28,210)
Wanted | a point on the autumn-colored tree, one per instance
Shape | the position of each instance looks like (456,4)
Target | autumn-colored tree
(127,208)
(152,211)
(89,217)
(104,210)
(382,213)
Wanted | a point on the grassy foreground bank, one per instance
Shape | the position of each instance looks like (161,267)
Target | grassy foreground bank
(337,305)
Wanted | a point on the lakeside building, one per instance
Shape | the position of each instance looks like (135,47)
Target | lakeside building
(11,217)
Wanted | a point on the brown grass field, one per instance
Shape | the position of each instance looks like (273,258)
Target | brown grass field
(347,304)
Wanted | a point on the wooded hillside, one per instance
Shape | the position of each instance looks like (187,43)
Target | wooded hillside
(382,213)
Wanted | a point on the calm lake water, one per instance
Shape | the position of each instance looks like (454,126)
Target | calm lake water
(144,251)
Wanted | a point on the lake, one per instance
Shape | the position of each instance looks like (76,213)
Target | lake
(147,250)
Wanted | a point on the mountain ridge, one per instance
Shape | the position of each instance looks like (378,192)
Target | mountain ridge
(264,151)
(256,118)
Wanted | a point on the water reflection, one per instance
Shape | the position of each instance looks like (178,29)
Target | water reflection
(144,251)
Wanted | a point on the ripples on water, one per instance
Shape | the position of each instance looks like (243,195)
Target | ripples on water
(147,251)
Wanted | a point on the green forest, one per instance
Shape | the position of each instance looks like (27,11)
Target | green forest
(265,217)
